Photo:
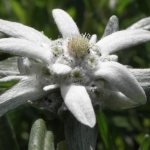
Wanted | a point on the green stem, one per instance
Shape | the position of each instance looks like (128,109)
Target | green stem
(79,136)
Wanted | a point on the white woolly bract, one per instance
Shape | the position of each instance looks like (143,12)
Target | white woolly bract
(122,80)
(65,23)
(79,103)
(122,39)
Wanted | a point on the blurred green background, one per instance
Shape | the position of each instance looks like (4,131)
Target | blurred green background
(118,130)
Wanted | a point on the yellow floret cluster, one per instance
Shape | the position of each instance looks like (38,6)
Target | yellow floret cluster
(78,45)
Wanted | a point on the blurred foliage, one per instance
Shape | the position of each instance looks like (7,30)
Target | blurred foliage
(7,84)
(119,130)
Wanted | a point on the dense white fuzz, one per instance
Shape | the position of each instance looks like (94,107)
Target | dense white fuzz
(65,23)
(118,77)
(19,94)
(25,48)
(60,69)
(141,24)
(19,30)
(79,103)
(112,26)
(122,39)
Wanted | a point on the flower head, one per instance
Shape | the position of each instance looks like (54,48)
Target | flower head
(78,45)
(80,66)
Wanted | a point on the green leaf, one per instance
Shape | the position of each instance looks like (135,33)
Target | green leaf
(145,145)
(122,5)
(103,128)
(7,135)
(19,11)
(144,6)
(8,84)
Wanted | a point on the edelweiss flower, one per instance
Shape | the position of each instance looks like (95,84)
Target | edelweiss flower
(81,67)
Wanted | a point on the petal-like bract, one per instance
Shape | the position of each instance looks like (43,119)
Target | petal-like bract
(25,48)
(19,94)
(79,103)
(18,30)
(118,77)
(112,26)
(65,23)
(141,24)
(122,39)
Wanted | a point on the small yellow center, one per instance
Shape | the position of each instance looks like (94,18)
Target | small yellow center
(78,45)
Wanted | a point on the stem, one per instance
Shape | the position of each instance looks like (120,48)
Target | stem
(79,136)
